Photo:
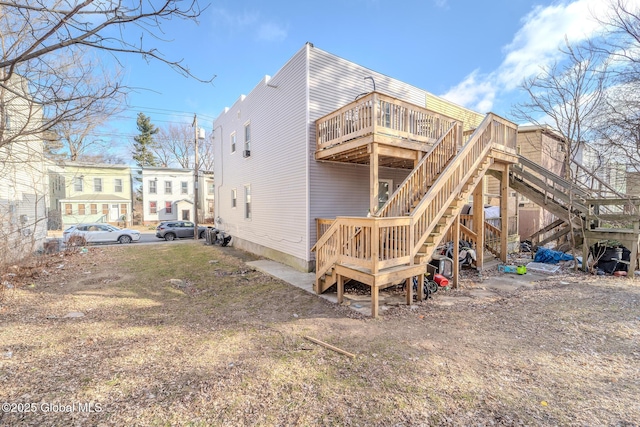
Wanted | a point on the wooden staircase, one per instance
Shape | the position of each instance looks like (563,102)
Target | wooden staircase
(591,215)
(400,239)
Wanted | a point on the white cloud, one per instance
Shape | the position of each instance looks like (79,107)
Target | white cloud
(535,45)
(247,21)
(271,32)
(443,4)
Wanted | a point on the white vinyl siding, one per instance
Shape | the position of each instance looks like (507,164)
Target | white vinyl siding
(276,109)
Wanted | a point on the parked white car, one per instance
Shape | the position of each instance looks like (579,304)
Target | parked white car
(82,234)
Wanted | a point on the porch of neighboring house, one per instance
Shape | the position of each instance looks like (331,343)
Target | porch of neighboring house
(446,163)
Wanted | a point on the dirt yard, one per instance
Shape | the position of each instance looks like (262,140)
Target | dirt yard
(186,334)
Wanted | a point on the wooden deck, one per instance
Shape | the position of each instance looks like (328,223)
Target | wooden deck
(403,132)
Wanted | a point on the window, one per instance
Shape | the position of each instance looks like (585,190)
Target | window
(81,210)
(234,197)
(67,209)
(123,208)
(167,207)
(210,187)
(233,142)
(105,209)
(247,202)
(94,209)
(167,187)
(78,184)
(247,137)
(97,185)
(153,207)
(7,122)
(152,187)
(117,185)
(210,206)
(184,187)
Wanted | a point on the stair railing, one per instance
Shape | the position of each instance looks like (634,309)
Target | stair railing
(417,183)
(452,180)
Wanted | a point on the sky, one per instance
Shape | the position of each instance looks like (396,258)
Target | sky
(474,53)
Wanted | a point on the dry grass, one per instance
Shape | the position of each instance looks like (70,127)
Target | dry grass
(225,346)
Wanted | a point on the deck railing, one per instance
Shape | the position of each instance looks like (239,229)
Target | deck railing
(380,114)
(372,243)
(418,182)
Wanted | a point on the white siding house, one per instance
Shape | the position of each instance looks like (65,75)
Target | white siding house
(23,180)
(167,194)
(269,188)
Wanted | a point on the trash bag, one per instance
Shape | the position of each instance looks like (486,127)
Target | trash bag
(549,256)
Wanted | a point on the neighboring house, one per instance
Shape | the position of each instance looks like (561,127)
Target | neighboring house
(23,183)
(545,147)
(168,194)
(206,197)
(84,192)
(270,189)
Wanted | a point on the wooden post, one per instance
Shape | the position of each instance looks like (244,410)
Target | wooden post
(456,251)
(478,223)
(504,213)
(340,286)
(420,290)
(373,178)
(374,300)
(408,284)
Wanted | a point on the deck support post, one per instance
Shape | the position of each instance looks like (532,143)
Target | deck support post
(374,163)
(504,213)
(420,290)
(478,223)
(408,284)
(456,251)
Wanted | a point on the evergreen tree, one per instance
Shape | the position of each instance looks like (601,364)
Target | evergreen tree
(144,143)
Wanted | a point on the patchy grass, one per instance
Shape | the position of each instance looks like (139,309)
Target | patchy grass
(220,345)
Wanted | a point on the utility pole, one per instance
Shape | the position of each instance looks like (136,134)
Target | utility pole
(195,173)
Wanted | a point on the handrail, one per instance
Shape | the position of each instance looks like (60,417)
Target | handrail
(450,182)
(417,183)
(594,178)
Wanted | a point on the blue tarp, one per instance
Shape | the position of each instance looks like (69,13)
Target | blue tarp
(549,256)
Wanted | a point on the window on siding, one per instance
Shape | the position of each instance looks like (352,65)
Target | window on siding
(153,187)
(105,209)
(210,206)
(81,210)
(78,183)
(97,185)
(94,209)
(234,198)
(247,202)
(247,136)
(210,187)
(117,185)
(233,142)
(167,187)
(167,207)
(184,187)
(68,209)
(153,207)
(123,208)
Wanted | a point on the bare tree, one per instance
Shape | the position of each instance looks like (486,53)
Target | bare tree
(618,123)
(175,146)
(566,96)
(206,154)
(53,46)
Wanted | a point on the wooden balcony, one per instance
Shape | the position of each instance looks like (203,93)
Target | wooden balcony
(403,131)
